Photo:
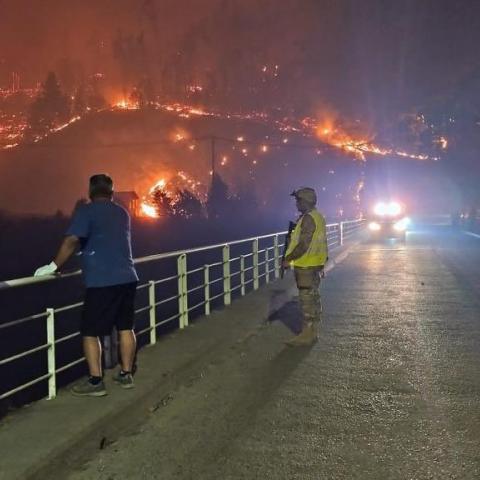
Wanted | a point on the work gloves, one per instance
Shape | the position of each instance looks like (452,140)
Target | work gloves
(49,269)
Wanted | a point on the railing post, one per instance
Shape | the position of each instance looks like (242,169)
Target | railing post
(242,275)
(276,254)
(52,379)
(255,264)
(267,265)
(227,295)
(341,233)
(206,282)
(182,290)
(152,312)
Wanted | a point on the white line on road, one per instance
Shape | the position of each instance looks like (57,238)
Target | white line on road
(476,235)
(405,249)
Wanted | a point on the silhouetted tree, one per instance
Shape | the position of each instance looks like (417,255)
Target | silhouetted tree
(143,94)
(218,197)
(49,109)
(188,205)
(163,203)
(96,101)
(79,106)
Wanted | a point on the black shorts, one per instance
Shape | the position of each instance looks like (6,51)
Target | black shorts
(106,307)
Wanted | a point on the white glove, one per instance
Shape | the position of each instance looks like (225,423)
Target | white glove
(49,269)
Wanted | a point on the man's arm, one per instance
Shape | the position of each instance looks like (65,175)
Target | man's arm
(306,234)
(79,228)
(67,249)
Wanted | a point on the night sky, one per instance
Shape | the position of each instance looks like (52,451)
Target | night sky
(370,58)
(399,75)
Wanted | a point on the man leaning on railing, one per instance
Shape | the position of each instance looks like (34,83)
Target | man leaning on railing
(101,230)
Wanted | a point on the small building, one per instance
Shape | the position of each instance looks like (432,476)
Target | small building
(128,200)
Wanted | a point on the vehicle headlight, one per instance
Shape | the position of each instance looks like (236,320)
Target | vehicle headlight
(394,208)
(401,225)
(391,209)
(380,209)
(374,226)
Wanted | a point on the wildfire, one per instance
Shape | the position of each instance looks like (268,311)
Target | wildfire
(172,187)
(160,185)
(124,104)
(149,210)
(358,145)
(65,125)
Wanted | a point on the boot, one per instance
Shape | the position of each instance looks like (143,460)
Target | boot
(308,336)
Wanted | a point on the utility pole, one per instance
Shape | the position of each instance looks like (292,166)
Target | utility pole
(212,143)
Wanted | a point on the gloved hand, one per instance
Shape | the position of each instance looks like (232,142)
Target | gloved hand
(49,269)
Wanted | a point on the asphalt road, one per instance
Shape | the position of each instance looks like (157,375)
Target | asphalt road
(391,390)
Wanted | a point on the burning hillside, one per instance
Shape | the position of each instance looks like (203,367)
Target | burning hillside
(173,141)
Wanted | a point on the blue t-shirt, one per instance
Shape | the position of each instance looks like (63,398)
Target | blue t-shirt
(103,228)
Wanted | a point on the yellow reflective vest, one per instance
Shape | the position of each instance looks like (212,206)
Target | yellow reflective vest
(317,252)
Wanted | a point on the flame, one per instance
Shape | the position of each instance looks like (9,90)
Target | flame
(360,144)
(65,125)
(148,210)
(124,104)
(171,185)
(160,185)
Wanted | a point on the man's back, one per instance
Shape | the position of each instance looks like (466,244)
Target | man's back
(104,230)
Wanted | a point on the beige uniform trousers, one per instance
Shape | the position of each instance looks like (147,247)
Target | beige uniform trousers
(308,283)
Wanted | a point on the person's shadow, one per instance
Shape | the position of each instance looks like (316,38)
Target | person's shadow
(290,315)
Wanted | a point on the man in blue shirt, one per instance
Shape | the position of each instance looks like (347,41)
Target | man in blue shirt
(101,230)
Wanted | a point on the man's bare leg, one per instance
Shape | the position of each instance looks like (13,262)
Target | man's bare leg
(93,354)
(93,386)
(128,347)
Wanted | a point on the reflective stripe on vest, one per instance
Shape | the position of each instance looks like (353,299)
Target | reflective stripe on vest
(317,252)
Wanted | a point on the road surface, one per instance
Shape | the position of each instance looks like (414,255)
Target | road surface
(391,390)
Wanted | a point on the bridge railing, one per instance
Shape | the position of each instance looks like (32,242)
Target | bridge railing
(198,280)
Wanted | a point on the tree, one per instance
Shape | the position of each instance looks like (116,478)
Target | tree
(96,101)
(218,197)
(163,203)
(49,109)
(79,106)
(188,205)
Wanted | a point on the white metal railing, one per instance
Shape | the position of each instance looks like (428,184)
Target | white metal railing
(239,273)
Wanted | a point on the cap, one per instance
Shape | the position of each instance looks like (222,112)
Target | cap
(307,194)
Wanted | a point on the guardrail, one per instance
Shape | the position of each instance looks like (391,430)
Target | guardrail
(257,260)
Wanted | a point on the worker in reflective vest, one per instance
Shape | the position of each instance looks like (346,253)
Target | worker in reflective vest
(308,253)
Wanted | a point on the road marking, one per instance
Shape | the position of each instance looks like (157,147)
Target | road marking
(406,249)
(340,257)
(476,235)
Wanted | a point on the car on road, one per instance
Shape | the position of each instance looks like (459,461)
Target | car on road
(388,220)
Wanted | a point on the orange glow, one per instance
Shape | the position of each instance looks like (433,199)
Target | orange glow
(148,210)
(358,144)
(159,185)
(124,104)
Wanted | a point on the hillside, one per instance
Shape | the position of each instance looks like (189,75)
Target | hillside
(139,147)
